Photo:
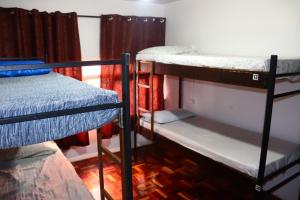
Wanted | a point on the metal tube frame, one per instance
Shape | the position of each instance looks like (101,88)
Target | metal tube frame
(126,162)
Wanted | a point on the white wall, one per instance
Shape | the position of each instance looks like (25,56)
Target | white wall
(89,38)
(238,27)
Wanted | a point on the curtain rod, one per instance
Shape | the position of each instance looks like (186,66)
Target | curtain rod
(89,16)
(95,16)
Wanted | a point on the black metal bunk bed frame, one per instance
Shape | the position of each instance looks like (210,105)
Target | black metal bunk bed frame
(265,80)
(125,136)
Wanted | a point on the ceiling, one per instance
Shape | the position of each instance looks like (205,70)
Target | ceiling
(155,1)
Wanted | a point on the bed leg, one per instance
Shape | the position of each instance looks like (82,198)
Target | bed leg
(126,166)
(134,111)
(267,120)
(100,162)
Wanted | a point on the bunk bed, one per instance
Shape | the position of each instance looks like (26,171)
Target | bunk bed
(213,139)
(41,108)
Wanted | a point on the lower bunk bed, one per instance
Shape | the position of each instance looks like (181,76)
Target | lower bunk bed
(232,146)
(39,171)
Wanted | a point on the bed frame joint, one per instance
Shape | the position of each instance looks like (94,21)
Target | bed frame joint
(258,188)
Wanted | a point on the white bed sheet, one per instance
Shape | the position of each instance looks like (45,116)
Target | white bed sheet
(232,146)
(224,62)
(42,177)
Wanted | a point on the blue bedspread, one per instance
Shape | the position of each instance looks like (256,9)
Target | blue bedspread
(50,92)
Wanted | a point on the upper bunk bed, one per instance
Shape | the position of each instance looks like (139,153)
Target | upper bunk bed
(188,63)
(45,93)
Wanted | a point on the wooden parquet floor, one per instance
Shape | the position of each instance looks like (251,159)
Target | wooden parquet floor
(166,170)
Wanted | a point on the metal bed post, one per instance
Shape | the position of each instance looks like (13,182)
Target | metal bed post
(134,111)
(151,92)
(127,193)
(267,123)
(100,162)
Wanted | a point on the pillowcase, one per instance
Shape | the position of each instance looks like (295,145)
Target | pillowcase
(168,50)
(24,72)
(167,116)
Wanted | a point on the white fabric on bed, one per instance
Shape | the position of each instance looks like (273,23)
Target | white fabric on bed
(159,50)
(232,146)
(167,116)
(224,62)
(42,177)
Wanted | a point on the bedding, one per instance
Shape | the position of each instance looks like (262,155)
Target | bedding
(167,50)
(41,177)
(167,116)
(229,145)
(50,92)
(25,72)
(224,62)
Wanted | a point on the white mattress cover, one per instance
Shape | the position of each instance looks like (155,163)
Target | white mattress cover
(232,146)
(225,62)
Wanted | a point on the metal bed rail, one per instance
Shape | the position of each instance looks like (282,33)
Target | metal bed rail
(125,137)
(20,58)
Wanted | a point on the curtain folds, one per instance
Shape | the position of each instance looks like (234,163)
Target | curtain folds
(36,34)
(120,34)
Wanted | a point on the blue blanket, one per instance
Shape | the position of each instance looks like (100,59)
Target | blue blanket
(50,92)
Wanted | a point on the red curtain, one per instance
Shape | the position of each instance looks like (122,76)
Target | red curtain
(120,34)
(26,34)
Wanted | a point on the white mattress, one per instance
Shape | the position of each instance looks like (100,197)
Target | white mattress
(232,146)
(224,62)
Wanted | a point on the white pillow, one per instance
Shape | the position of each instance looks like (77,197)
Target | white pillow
(168,50)
(167,116)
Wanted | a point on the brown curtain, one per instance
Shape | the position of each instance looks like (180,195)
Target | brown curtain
(32,33)
(120,34)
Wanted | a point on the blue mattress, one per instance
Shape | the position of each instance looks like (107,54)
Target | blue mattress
(50,92)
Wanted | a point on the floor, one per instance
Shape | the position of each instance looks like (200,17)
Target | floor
(165,170)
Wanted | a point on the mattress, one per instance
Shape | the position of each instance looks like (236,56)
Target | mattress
(229,145)
(223,62)
(41,175)
(50,92)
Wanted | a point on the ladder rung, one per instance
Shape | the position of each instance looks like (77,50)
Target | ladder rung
(111,155)
(107,195)
(143,110)
(143,85)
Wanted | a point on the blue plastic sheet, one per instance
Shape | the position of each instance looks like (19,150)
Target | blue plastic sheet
(26,72)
